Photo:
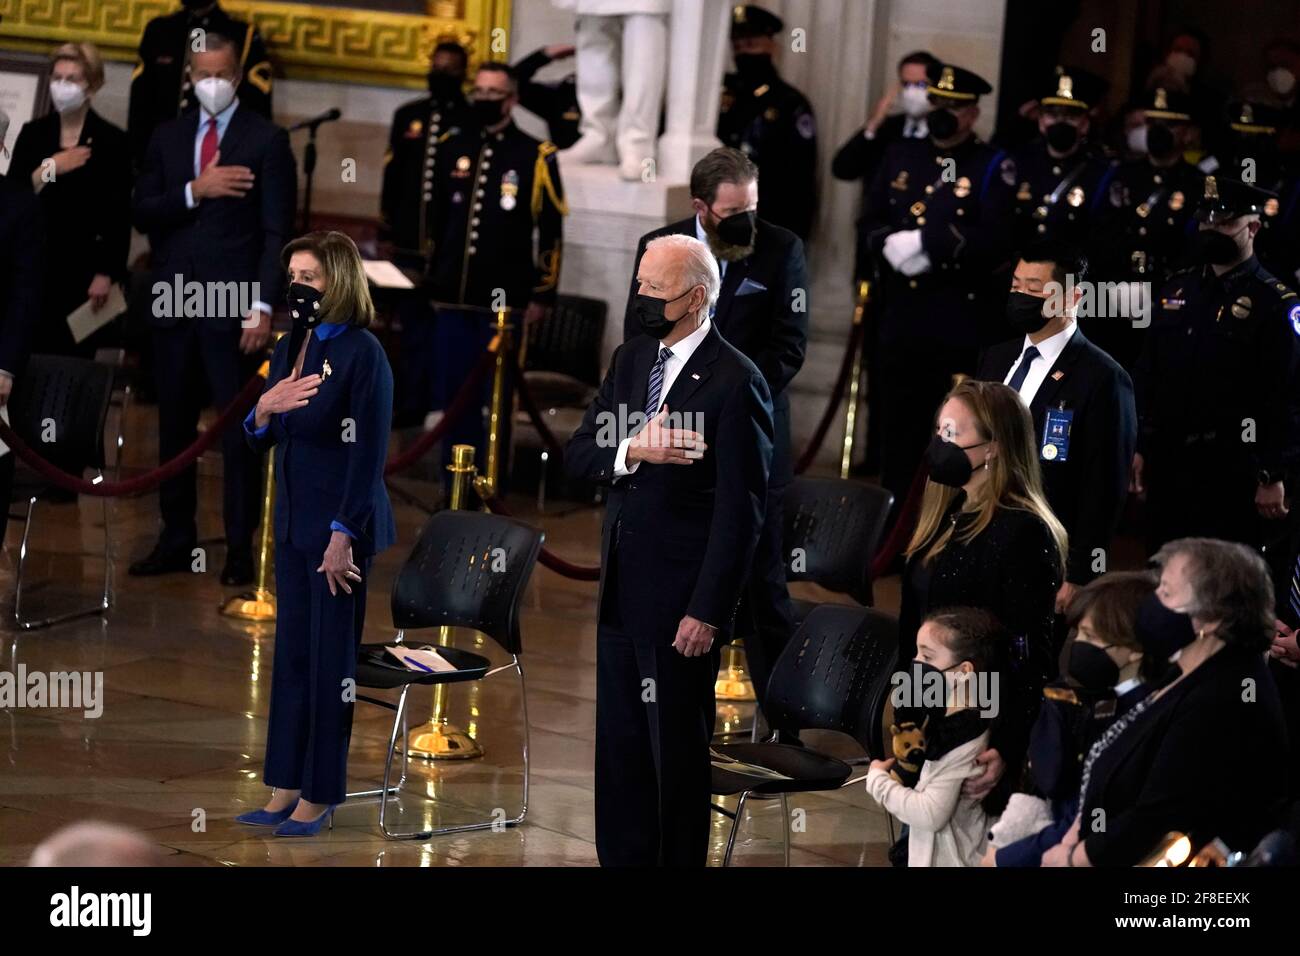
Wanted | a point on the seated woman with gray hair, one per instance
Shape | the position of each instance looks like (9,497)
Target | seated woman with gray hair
(1205,755)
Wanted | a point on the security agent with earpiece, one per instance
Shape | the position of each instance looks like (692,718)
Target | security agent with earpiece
(1058,174)
(161,89)
(1219,427)
(936,225)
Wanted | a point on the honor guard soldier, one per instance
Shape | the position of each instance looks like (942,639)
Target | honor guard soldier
(771,122)
(555,103)
(499,209)
(419,129)
(937,223)
(161,88)
(1216,384)
(1059,172)
(1251,155)
(1144,217)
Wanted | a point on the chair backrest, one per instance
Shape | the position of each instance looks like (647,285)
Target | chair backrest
(836,525)
(59,407)
(834,674)
(569,340)
(468,569)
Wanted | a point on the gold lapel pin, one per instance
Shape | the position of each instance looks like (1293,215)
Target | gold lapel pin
(325,370)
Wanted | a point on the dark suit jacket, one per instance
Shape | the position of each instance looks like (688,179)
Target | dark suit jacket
(769,324)
(326,471)
(220,240)
(87,211)
(1207,759)
(1088,490)
(688,532)
(21,239)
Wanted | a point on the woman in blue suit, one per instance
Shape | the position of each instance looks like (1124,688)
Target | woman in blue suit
(327,410)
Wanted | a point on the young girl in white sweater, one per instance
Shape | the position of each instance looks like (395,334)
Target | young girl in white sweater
(953,648)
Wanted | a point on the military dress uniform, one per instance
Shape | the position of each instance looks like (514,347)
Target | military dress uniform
(1056,195)
(1216,391)
(773,124)
(160,86)
(932,322)
(497,197)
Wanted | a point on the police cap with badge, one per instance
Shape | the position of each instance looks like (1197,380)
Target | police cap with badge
(1072,91)
(1227,198)
(954,86)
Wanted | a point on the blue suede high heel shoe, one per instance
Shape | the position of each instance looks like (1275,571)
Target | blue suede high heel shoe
(295,828)
(266,818)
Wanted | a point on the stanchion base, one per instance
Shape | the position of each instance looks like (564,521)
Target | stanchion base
(734,685)
(255,605)
(441,741)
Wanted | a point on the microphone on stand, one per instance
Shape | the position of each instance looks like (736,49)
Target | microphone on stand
(309,157)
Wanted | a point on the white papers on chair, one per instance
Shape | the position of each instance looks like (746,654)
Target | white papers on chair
(84,321)
(420,658)
(4,417)
(385,275)
(723,762)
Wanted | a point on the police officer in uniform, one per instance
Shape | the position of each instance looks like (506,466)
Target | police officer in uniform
(1251,154)
(497,197)
(937,223)
(419,128)
(1143,215)
(1058,172)
(161,88)
(1216,385)
(770,121)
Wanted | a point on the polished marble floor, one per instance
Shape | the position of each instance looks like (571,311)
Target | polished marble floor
(177,751)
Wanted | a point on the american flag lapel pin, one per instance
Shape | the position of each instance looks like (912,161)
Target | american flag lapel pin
(325,370)
(1056,376)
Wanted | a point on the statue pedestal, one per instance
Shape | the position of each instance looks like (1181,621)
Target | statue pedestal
(607,217)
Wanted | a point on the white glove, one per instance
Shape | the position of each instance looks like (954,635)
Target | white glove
(916,265)
(901,246)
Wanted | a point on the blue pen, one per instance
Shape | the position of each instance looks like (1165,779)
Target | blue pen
(412,660)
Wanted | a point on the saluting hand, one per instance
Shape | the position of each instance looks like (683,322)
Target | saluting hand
(286,395)
(665,446)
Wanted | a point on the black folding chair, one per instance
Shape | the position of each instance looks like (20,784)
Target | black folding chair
(832,529)
(468,569)
(833,675)
(59,407)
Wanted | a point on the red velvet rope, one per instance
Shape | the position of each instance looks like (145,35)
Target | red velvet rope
(837,396)
(467,394)
(903,526)
(236,410)
(549,559)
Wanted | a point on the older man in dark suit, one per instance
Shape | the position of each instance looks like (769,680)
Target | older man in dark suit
(216,197)
(762,310)
(1085,422)
(20,284)
(682,521)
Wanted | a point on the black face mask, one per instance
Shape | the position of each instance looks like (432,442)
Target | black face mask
(488,112)
(754,68)
(1092,667)
(1025,312)
(1062,136)
(304,304)
(1162,632)
(948,462)
(650,313)
(921,673)
(443,86)
(738,229)
(1160,140)
(1214,248)
(942,123)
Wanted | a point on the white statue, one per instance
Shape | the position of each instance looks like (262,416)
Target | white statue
(620,44)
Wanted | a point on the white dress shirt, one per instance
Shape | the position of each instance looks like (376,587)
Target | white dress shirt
(673,366)
(1049,350)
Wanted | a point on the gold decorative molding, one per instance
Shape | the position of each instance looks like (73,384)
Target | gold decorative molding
(348,45)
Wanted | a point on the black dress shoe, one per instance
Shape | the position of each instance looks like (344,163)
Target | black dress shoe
(238,570)
(162,560)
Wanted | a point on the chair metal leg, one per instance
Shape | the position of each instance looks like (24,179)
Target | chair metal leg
(22,562)
(785,826)
(735,826)
(400,720)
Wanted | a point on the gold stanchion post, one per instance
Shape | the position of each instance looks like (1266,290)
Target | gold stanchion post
(439,739)
(855,381)
(497,411)
(259,604)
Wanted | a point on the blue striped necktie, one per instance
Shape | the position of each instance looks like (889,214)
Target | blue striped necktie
(1294,595)
(656,382)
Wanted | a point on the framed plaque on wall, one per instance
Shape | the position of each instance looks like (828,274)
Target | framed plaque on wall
(24,95)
